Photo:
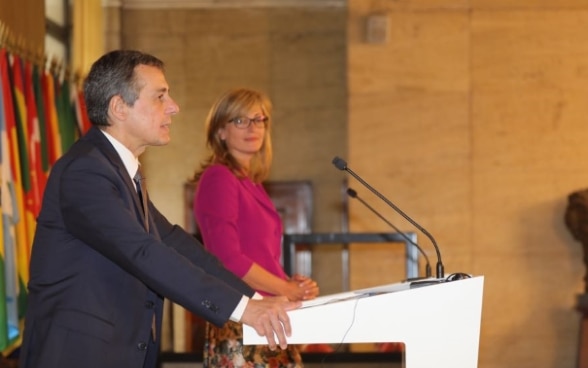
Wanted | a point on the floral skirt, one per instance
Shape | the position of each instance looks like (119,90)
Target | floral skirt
(223,348)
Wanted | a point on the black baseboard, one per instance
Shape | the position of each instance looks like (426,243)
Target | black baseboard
(343,357)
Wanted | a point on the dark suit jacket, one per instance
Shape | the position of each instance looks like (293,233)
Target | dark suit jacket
(97,277)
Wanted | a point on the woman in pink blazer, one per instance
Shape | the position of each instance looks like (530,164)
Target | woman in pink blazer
(239,223)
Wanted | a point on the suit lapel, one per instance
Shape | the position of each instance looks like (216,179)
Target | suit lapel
(95,136)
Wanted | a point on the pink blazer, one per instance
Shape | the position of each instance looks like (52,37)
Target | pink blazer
(238,222)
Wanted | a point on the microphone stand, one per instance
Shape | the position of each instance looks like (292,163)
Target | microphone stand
(353,194)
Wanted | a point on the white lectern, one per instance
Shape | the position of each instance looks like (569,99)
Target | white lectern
(439,324)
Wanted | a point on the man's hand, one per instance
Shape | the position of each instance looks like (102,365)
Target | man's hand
(269,318)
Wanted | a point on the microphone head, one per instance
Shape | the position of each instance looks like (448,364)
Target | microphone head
(352,193)
(339,163)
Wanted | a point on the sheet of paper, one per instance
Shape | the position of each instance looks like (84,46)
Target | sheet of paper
(333,298)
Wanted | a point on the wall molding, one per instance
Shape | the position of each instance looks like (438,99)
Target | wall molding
(168,4)
(111,3)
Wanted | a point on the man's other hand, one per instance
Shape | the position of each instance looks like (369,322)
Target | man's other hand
(269,318)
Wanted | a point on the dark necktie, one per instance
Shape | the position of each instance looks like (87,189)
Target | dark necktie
(139,180)
(142,191)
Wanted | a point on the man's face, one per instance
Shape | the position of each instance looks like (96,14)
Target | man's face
(149,119)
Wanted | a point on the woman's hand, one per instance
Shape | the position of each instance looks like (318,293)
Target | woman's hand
(301,288)
(297,288)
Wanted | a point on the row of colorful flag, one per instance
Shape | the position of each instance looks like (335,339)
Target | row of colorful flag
(41,115)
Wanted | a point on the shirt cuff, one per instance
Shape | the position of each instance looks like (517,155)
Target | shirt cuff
(240,309)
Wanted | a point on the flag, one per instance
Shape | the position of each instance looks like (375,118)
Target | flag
(77,98)
(18,140)
(11,227)
(66,115)
(33,143)
(51,121)
(42,116)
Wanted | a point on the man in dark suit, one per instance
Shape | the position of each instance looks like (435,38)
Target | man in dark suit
(100,264)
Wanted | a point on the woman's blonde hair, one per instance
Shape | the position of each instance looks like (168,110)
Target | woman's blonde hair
(232,104)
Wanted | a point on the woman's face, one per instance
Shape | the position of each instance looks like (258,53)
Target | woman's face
(243,135)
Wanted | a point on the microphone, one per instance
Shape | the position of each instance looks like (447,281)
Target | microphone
(353,194)
(342,165)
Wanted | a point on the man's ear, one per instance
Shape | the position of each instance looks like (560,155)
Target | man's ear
(117,108)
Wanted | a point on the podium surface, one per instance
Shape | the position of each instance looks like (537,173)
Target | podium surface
(439,324)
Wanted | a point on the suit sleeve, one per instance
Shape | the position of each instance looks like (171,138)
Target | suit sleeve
(98,208)
(188,246)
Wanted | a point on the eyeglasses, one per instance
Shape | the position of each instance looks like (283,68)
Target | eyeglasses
(243,122)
